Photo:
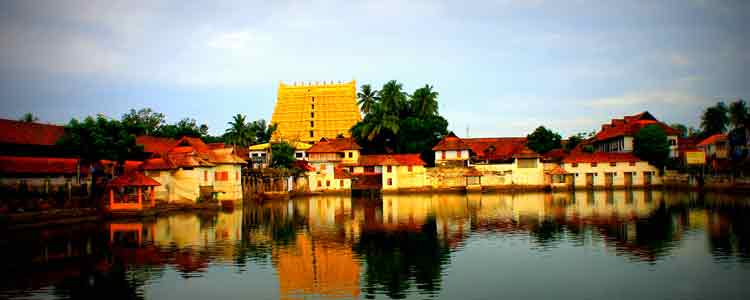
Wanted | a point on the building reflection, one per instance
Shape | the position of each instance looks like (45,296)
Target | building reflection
(334,246)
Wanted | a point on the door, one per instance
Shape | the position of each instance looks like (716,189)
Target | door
(628,179)
(647,178)
(609,179)
(589,179)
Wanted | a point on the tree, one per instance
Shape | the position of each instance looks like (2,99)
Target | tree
(424,101)
(282,155)
(543,140)
(574,140)
(393,101)
(185,127)
(96,139)
(28,118)
(239,133)
(263,131)
(738,114)
(681,128)
(367,98)
(714,119)
(143,121)
(651,144)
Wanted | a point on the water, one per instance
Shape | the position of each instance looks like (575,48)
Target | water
(587,245)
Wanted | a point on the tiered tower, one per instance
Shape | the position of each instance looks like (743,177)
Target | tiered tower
(308,112)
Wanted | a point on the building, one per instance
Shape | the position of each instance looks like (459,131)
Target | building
(716,148)
(394,172)
(325,157)
(618,135)
(309,112)
(260,154)
(188,169)
(452,151)
(29,139)
(609,170)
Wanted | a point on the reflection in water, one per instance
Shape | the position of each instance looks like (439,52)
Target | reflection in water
(399,246)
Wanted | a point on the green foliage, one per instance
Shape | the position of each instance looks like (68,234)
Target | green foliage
(239,133)
(143,121)
(263,131)
(681,128)
(715,119)
(543,140)
(282,155)
(738,114)
(185,127)
(28,118)
(100,138)
(397,123)
(574,140)
(367,98)
(651,144)
(424,101)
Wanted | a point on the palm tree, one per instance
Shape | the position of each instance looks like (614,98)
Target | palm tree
(29,118)
(239,133)
(424,101)
(714,119)
(392,98)
(738,113)
(263,131)
(367,98)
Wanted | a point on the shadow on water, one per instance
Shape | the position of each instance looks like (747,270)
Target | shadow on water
(397,246)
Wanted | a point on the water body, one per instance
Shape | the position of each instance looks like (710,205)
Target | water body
(585,245)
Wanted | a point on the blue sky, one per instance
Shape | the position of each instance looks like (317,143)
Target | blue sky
(502,67)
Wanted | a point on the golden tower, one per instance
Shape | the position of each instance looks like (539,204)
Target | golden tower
(308,112)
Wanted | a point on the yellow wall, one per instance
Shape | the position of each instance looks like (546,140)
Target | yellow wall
(335,111)
(401,178)
(620,168)
(325,175)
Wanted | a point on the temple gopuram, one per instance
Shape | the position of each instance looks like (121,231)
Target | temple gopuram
(309,112)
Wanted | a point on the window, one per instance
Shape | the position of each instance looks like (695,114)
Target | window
(237,175)
(312,115)
(672,142)
(319,185)
(312,124)
(312,107)
(313,99)
(369,169)
(410,168)
(298,155)
(593,164)
(458,153)
(328,183)
(574,165)
(632,163)
(390,181)
(205,175)
(351,154)
(341,183)
(221,176)
(442,154)
(323,167)
(389,169)
(311,134)
(527,162)
(613,164)
(255,154)
(351,169)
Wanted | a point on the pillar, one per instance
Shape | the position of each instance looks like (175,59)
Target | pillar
(140,196)
(151,196)
(111,198)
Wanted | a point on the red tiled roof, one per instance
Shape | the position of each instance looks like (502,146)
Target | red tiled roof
(156,144)
(686,145)
(39,165)
(340,173)
(503,148)
(555,155)
(390,160)
(129,165)
(133,179)
(303,165)
(451,142)
(599,157)
(334,145)
(630,125)
(156,164)
(15,132)
(557,170)
(719,137)
(225,156)
(216,145)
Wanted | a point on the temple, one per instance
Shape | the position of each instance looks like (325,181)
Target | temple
(309,112)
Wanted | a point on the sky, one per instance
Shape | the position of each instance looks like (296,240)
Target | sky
(502,67)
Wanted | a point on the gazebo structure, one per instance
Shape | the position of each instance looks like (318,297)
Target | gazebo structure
(558,178)
(473,179)
(121,189)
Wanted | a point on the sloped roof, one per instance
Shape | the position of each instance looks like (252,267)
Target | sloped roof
(133,179)
(390,160)
(340,173)
(719,137)
(451,142)
(39,165)
(16,132)
(129,165)
(304,165)
(577,156)
(154,144)
(225,156)
(630,125)
(555,155)
(499,148)
(334,145)
(557,170)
